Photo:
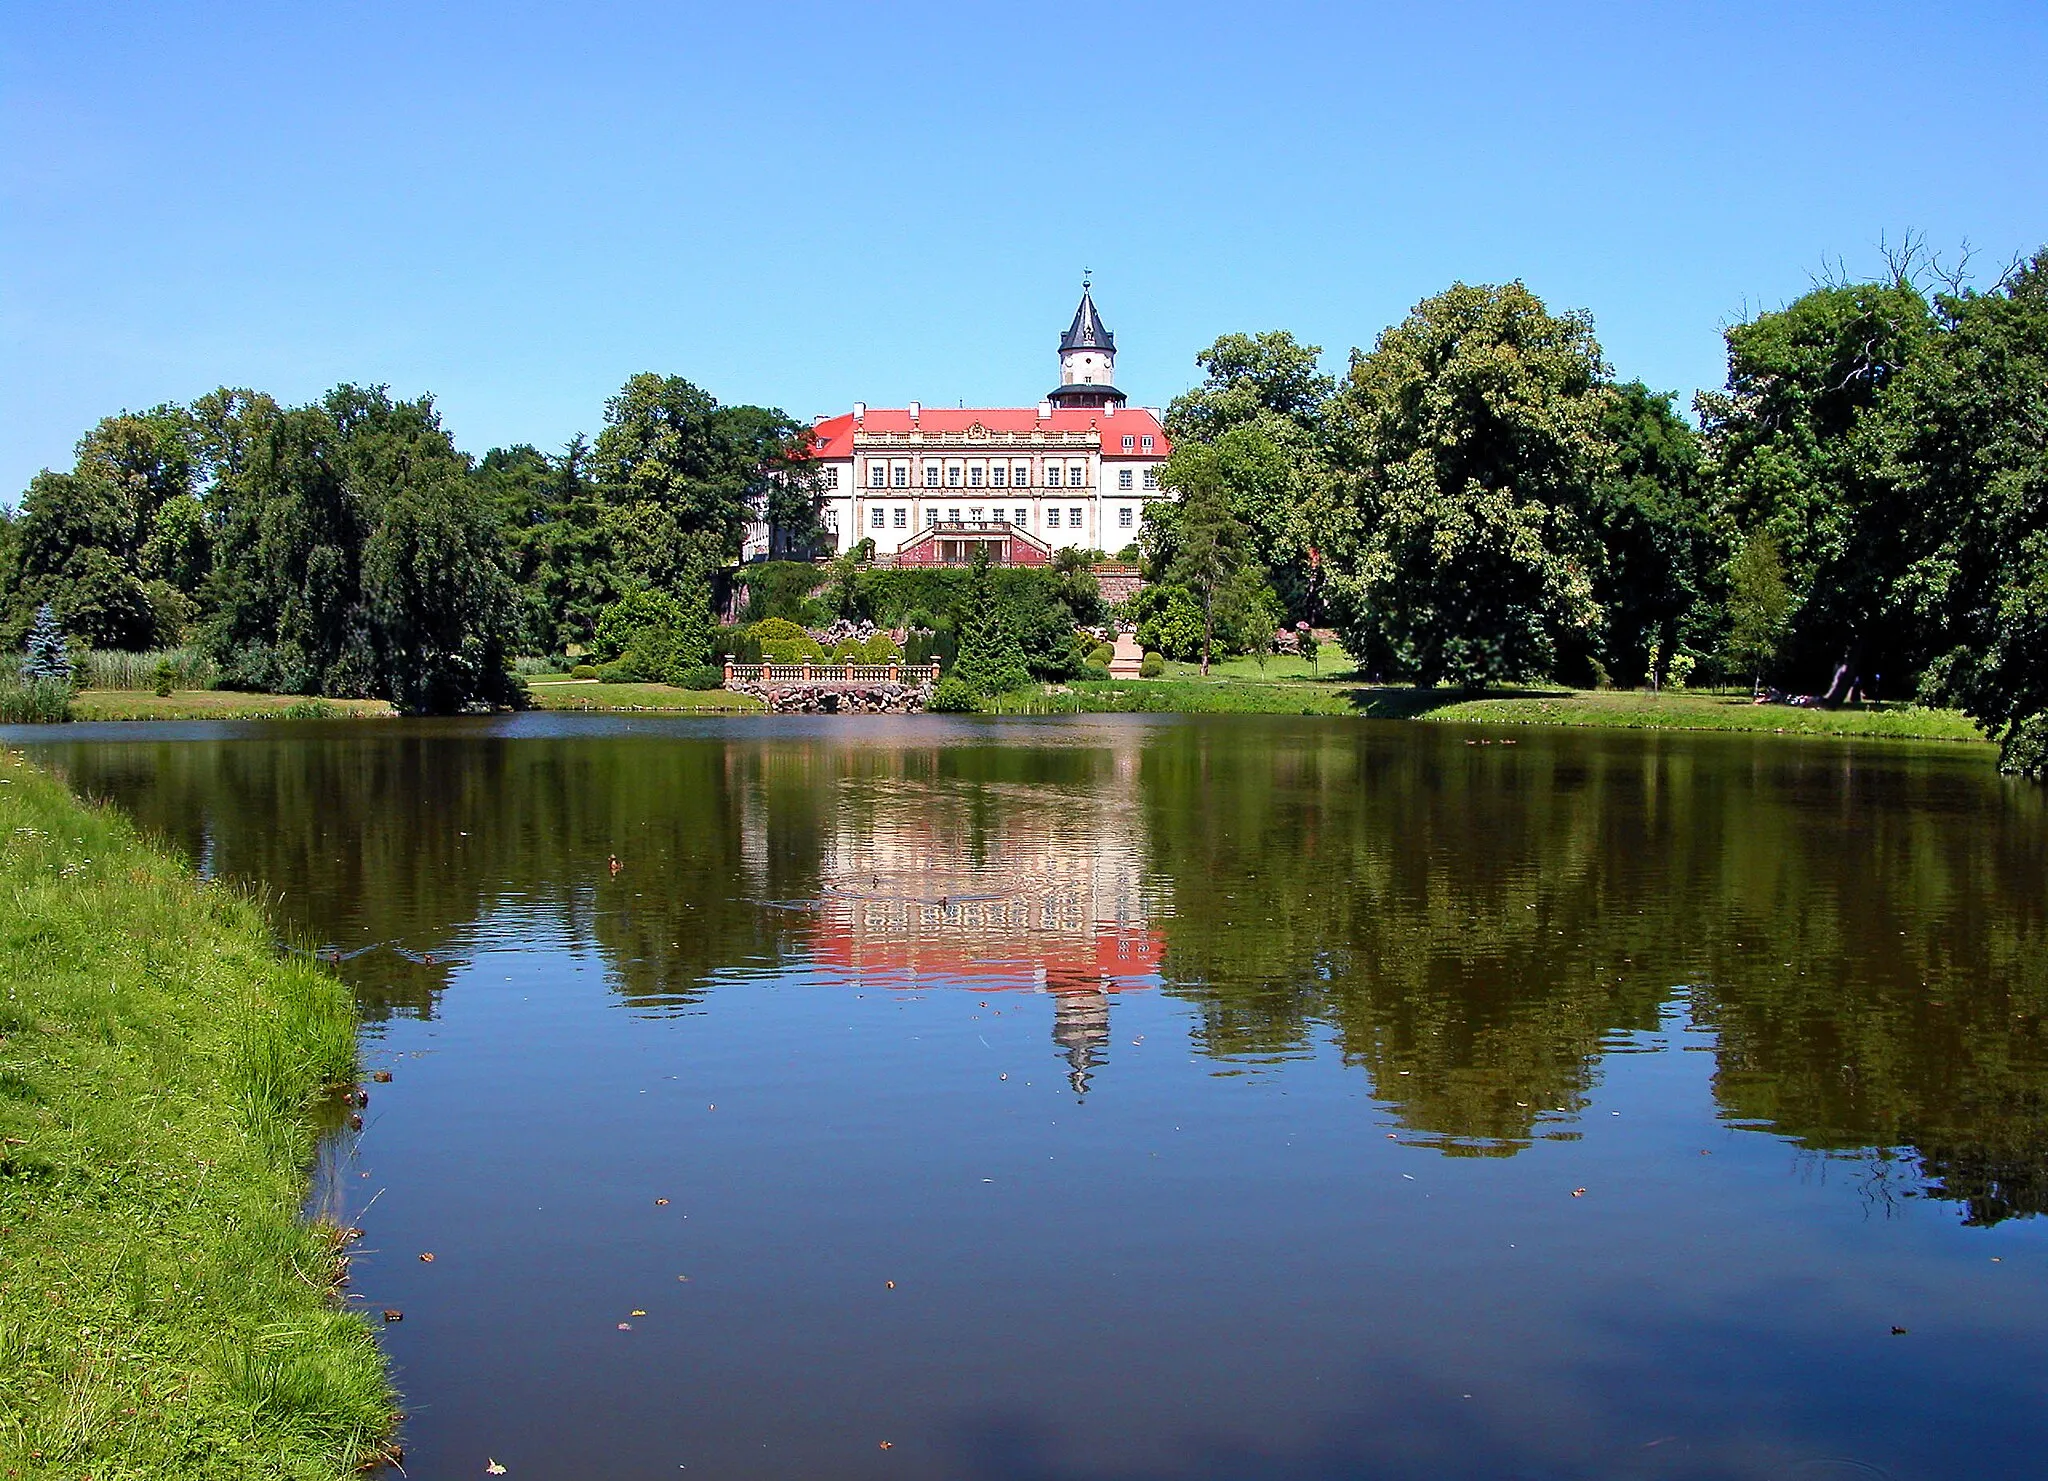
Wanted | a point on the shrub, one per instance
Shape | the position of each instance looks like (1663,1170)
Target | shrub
(794,650)
(780,590)
(657,634)
(309,709)
(704,676)
(1153,666)
(34,701)
(776,630)
(624,671)
(1101,654)
(1095,671)
(166,676)
(953,697)
(583,671)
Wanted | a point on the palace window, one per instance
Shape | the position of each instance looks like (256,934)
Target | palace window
(1148,444)
(953,516)
(1023,476)
(1151,478)
(1129,442)
(903,475)
(953,477)
(1074,518)
(878,476)
(931,475)
(1052,519)
(999,476)
(1123,478)
(931,515)
(975,514)
(832,476)
(1123,518)
(1052,475)
(902,520)
(1023,517)
(1075,477)
(875,518)
(974,476)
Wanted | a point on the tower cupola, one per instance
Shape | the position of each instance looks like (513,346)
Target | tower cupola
(1087,359)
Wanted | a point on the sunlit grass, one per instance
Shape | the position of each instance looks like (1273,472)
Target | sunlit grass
(587,696)
(163,1310)
(218,704)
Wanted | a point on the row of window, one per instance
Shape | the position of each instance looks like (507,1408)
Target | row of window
(899,517)
(1075,476)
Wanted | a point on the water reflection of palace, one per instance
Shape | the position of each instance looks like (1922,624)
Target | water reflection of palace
(1045,898)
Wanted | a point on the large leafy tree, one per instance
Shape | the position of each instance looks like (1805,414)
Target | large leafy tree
(689,473)
(1657,555)
(86,540)
(1210,552)
(1460,552)
(1782,440)
(354,556)
(991,660)
(1955,461)
(1256,426)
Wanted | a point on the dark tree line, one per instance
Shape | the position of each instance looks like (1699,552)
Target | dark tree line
(348,548)
(1861,512)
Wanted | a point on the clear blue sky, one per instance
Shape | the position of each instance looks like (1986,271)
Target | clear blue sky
(515,206)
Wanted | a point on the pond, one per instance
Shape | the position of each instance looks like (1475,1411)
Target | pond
(1149,1097)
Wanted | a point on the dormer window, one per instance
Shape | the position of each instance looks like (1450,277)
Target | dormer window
(1148,444)
(1129,442)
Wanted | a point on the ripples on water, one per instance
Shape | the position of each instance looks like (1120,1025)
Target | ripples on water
(1228,1098)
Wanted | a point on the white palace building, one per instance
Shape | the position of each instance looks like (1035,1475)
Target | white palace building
(928,484)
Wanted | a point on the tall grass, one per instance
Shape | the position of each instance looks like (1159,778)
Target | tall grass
(114,668)
(34,701)
(164,1311)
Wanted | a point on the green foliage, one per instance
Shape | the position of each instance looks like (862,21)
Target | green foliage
(439,603)
(689,469)
(781,589)
(1654,566)
(880,648)
(584,671)
(653,637)
(703,676)
(185,1321)
(1168,620)
(1101,654)
(1151,666)
(1759,606)
(166,677)
(34,701)
(954,696)
(991,661)
(1473,435)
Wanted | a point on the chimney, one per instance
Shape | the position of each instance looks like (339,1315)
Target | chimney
(1044,411)
(860,410)
(915,408)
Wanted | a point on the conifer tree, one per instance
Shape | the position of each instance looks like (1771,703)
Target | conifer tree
(991,660)
(48,657)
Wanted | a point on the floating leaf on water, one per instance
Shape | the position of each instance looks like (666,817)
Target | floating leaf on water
(1578,1192)
(625,1326)
(661,1203)
(393,1314)
(494,1469)
(427,1258)
(382,1077)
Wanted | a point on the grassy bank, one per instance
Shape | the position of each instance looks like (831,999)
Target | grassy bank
(1232,693)
(163,1311)
(218,704)
(582,694)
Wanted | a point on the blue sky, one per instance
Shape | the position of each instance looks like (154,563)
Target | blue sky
(515,206)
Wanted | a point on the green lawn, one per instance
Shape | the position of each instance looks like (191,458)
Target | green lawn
(218,704)
(1228,691)
(164,1312)
(586,695)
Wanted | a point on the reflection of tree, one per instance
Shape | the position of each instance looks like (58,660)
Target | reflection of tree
(1866,933)
(1469,923)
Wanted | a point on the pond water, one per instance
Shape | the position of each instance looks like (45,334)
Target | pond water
(1134,1097)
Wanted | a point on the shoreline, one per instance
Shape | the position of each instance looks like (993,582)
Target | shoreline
(1681,710)
(165,1308)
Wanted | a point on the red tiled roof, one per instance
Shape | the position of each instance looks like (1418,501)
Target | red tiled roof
(833,437)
